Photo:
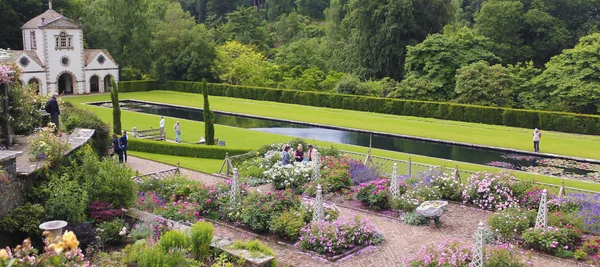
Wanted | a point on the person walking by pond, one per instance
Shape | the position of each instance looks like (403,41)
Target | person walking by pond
(536,139)
(299,154)
(117,147)
(177,129)
(162,126)
(286,156)
(54,111)
(124,139)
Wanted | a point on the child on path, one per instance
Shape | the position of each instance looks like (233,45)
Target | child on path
(536,139)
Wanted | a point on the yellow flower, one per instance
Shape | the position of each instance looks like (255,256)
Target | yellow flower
(70,240)
(3,254)
(57,247)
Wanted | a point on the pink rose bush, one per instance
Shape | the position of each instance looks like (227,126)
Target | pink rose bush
(489,191)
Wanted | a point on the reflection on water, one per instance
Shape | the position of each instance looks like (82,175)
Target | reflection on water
(386,142)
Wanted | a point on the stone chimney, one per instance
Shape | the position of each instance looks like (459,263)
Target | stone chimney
(43,21)
(49,4)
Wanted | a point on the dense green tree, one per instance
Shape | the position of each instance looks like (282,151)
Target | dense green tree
(183,49)
(482,84)
(312,8)
(527,94)
(276,8)
(309,80)
(124,27)
(237,63)
(246,26)
(572,78)
(381,30)
(116,108)
(302,54)
(14,13)
(209,117)
(290,26)
(431,65)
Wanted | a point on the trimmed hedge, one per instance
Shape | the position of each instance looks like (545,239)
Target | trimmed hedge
(137,86)
(547,120)
(184,150)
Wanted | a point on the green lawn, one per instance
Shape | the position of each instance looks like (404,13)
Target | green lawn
(196,164)
(584,146)
(243,138)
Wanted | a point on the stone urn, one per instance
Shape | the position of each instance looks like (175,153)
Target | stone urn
(432,210)
(54,227)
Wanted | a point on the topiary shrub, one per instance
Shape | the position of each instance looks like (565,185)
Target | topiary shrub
(184,150)
(202,235)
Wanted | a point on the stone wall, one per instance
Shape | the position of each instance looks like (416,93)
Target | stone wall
(11,187)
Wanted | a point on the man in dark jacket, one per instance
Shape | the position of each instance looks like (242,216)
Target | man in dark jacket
(52,108)
(124,140)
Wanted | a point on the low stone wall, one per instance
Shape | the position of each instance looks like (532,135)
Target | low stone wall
(10,186)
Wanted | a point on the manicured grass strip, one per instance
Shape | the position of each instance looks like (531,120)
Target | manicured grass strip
(249,139)
(196,164)
(584,146)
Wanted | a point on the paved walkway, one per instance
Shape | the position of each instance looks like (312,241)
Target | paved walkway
(401,240)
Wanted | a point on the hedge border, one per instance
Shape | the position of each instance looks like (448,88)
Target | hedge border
(548,120)
(184,150)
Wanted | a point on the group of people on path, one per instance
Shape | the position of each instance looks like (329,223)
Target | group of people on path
(119,145)
(299,154)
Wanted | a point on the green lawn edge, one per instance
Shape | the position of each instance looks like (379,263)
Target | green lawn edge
(196,164)
(576,145)
(242,138)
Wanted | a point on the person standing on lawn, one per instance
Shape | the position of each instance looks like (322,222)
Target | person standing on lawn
(161,124)
(54,111)
(124,140)
(177,129)
(536,139)
(117,147)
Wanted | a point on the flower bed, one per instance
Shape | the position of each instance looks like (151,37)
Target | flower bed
(280,213)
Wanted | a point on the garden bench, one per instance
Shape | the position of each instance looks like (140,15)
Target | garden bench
(152,134)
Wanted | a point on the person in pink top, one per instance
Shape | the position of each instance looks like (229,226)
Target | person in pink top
(536,139)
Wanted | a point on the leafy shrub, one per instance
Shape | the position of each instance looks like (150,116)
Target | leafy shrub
(413,218)
(66,200)
(184,150)
(288,224)
(375,194)
(489,191)
(564,219)
(136,86)
(503,255)
(139,231)
(416,195)
(336,173)
(47,146)
(202,235)
(332,238)
(580,255)
(450,187)
(85,232)
(330,214)
(531,199)
(113,232)
(254,246)
(155,256)
(109,182)
(173,239)
(73,117)
(258,209)
(448,252)
(293,175)
(591,245)
(509,224)
(24,219)
(552,239)
(103,211)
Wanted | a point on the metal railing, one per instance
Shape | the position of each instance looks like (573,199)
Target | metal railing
(157,175)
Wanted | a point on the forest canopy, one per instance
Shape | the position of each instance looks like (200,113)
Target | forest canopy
(534,54)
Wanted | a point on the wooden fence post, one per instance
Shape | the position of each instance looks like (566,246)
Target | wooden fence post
(409,167)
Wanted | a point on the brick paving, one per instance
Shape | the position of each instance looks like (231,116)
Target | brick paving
(401,240)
